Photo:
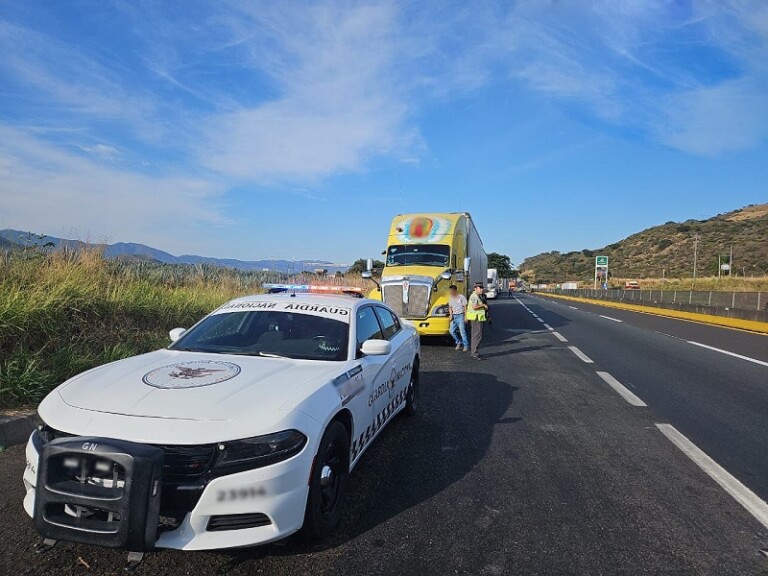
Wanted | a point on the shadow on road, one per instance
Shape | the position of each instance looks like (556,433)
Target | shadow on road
(415,458)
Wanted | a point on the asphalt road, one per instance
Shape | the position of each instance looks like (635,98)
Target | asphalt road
(526,463)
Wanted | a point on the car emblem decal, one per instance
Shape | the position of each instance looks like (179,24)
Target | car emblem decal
(193,374)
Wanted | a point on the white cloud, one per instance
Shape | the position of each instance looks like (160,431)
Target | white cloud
(103,151)
(45,189)
(339,102)
(633,64)
(287,94)
(708,121)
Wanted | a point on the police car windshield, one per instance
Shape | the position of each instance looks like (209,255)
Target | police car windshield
(418,255)
(270,334)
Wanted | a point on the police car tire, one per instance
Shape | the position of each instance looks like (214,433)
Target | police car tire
(334,452)
(412,392)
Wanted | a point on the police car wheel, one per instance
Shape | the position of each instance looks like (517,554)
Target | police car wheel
(327,486)
(412,392)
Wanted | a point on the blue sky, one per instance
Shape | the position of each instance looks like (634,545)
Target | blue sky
(286,129)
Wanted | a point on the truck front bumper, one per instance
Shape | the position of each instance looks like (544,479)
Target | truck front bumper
(432,326)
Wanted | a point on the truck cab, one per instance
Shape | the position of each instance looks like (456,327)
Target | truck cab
(427,253)
(492,285)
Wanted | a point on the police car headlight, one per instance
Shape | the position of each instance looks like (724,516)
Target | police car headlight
(260,450)
(440,310)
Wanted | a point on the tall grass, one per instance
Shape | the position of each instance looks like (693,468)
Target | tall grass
(64,312)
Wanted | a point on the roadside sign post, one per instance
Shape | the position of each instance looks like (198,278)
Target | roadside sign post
(601,272)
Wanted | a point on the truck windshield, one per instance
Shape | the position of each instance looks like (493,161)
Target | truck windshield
(418,255)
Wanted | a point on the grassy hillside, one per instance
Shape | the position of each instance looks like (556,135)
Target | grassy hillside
(667,250)
(62,313)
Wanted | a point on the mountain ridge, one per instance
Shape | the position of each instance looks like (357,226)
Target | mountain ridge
(668,250)
(10,239)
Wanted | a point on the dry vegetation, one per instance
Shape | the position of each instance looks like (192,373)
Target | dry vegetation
(725,284)
(64,312)
(667,250)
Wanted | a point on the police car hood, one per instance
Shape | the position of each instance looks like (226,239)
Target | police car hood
(195,386)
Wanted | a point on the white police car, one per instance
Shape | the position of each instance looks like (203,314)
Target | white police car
(240,433)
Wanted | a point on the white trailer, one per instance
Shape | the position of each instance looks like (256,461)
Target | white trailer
(478,267)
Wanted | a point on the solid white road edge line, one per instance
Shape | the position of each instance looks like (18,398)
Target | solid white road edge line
(559,336)
(743,495)
(621,390)
(581,355)
(609,318)
(747,358)
(547,326)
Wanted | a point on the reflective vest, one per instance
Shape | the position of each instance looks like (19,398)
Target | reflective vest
(472,314)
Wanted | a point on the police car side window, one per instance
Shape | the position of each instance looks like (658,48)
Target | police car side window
(368,327)
(389,322)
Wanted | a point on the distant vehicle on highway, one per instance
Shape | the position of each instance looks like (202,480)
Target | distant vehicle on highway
(492,285)
(241,432)
(632,285)
(425,254)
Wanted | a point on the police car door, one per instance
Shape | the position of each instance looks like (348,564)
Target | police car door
(401,362)
(374,372)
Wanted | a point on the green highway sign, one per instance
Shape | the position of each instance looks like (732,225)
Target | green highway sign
(601,261)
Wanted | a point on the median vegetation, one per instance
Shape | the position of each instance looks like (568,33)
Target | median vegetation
(64,312)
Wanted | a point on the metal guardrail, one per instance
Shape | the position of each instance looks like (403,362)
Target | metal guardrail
(754,301)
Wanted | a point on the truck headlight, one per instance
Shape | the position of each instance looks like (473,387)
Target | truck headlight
(260,450)
(440,310)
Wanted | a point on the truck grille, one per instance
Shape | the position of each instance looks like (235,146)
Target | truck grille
(418,300)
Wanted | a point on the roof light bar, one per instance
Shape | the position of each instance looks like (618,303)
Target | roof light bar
(311,288)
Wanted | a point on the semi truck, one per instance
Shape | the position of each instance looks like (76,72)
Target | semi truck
(492,286)
(427,253)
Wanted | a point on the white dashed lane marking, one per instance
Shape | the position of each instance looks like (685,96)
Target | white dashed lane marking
(621,389)
(609,318)
(574,307)
(747,358)
(581,355)
(552,330)
(743,495)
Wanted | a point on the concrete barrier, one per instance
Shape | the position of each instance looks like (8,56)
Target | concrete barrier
(751,320)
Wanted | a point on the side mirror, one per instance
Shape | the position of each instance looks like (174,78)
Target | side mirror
(447,275)
(369,264)
(376,347)
(467,262)
(366,274)
(176,333)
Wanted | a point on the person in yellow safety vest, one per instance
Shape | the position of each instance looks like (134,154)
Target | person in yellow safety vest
(476,315)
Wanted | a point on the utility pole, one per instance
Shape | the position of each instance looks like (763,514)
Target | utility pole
(719,266)
(696,238)
(730,263)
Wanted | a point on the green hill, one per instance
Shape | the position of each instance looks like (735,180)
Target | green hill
(668,250)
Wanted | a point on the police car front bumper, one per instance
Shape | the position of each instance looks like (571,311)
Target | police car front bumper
(246,508)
